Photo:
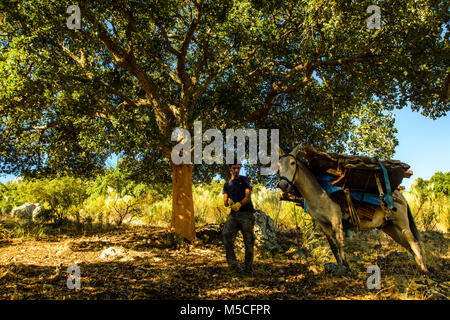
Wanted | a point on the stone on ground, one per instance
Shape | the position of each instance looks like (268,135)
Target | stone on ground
(113,253)
(27,211)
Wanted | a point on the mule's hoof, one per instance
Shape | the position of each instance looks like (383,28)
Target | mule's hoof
(336,269)
(236,266)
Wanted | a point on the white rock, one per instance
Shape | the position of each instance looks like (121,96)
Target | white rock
(112,253)
(265,235)
(25,211)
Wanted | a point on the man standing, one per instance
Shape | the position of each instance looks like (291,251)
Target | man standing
(236,195)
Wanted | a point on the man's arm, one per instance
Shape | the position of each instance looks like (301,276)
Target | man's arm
(225,199)
(246,199)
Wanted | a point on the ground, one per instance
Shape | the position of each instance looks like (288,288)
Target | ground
(149,263)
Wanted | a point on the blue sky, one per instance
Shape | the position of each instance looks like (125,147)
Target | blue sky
(424,144)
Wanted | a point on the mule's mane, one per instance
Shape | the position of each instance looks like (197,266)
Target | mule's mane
(308,185)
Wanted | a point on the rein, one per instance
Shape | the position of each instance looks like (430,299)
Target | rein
(291,183)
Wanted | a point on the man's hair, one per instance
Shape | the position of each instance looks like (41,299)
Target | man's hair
(234,162)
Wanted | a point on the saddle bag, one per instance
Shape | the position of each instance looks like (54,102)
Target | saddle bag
(355,172)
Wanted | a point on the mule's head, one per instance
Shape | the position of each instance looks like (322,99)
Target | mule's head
(287,166)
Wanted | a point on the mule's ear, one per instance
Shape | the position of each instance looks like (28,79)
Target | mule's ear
(297,149)
(280,152)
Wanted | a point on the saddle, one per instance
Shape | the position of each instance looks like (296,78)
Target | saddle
(355,172)
(350,174)
(364,210)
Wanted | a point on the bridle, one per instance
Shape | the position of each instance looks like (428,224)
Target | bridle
(291,183)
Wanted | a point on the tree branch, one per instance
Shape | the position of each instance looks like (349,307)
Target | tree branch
(172,74)
(211,75)
(104,85)
(445,88)
(128,30)
(181,63)
(127,61)
(342,61)
(279,87)
(189,34)
(44,127)
(167,42)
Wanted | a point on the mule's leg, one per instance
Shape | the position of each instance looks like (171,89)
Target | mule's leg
(329,235)
(404,237)
(332,240)
(415,246)
(338,237)
(391,230)
(406,228)
(333,248)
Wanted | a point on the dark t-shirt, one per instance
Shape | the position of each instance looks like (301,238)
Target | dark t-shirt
(235,188)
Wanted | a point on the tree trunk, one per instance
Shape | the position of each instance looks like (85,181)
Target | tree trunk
(182,203)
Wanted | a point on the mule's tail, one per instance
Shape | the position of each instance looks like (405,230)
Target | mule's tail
(412,225)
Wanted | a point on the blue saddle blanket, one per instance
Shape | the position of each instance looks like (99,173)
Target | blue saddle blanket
(325,182)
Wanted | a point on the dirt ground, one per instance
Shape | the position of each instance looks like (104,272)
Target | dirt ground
(148,264)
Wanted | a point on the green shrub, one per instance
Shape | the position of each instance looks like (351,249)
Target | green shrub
(61,196)
(5,207)
(120,182)
(158,212)
(429,201)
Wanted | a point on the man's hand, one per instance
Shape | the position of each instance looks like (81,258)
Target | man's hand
(235,207)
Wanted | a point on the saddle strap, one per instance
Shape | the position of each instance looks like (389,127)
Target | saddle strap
(385,208)
(354,218)
(388,195)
